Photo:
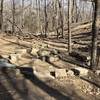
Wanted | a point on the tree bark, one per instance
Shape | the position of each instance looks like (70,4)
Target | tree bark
(45,19)
(22,24)
(69,25)
(95,31)
(13,15)
(1,16)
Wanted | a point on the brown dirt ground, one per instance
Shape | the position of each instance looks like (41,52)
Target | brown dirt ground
(31,87)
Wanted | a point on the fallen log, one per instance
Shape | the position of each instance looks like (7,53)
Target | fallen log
(81,57)
(81,25)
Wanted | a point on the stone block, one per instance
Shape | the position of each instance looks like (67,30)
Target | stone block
(54,51)
(13,58)
(34,51)
(60,73)
(80,71)
(53,59)
(70,73)
(43,53)
(44,46)
(5,56)
(97,72)
(21,51)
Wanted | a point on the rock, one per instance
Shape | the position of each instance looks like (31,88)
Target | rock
(54,51)
(97,72)
(44,74)
(5,56)
(6,64)
(60,73)
(43,53)
(18,72)
(41,65)
(41,69)
(53,58)
(4,60)
(80,71)
(51,68)
(29,50)
(34,51)
(44,46)
(14,58)
(21,51)
(70,73)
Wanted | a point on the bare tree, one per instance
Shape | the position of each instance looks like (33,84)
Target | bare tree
(69,24)
(45,19)
(1,15)
(22,14)
(13,15)
(95,31)
(61,16)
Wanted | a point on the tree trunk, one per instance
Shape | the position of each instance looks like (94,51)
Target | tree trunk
(13,15)
(45,19)
(22,24)
(61,16)
(69,25)
(1,15)
(95,30)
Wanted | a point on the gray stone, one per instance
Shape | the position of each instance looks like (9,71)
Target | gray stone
(54,51)
(43,53)
(97,72)
(21,51)
(5,56)
(18,72)
(81,71)
(70,73)
(14,58)
(59,73)
(44,46)
(34,51)
(53,58)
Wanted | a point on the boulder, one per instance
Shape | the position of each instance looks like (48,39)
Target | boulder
(51,68)
(70,73)
(43,53)
(54,51)
(97,72)
(14,58)
(53,58)
(18,72)
(60,73)
(21,51)
(34,51)
(5,56)
(42,69)
(44,46)
(80,71)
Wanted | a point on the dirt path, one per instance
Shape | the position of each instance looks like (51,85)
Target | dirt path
(31,87)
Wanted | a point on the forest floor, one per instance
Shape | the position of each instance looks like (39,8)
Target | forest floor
(41,85)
